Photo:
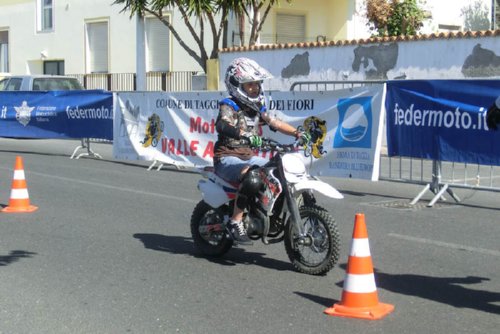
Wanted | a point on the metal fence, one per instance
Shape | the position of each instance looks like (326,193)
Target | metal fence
(155,81)
(179,81)
(331,85)
(438,177)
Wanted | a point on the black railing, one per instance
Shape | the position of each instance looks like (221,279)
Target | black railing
(155,81)
(279,39)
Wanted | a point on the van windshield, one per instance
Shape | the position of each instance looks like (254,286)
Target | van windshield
(56,84)
(11,84)
(3,83)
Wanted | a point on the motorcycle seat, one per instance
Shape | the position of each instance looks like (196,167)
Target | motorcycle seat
(233,184)
(210,169)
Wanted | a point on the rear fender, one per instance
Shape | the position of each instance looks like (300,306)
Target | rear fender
(213,194)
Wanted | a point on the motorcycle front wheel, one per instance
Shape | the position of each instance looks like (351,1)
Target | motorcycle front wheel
(208,231)
(318,251)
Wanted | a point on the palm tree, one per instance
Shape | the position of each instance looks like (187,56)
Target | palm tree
(213,12)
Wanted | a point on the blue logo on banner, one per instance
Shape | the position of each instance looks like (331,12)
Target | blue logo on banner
(355,123)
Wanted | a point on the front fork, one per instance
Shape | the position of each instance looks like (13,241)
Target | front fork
(293,209)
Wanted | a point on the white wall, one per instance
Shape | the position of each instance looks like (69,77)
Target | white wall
(67,41)
(439,58)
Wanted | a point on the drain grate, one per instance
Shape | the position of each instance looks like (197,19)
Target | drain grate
(405,205)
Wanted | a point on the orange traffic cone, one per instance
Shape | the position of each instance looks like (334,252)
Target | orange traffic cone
(19,198)
(359,296)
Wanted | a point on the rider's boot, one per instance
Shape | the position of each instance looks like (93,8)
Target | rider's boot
(239,233)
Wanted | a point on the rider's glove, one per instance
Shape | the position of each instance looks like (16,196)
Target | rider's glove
(493,115)
(304,137)
(254,140)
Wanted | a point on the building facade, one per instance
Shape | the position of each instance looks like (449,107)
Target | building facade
(78,37)
(94,36)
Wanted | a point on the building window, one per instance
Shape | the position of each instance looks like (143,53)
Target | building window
(45,15)
(97,47)
(4,51)
(157,45)
(290,28)
(53,67)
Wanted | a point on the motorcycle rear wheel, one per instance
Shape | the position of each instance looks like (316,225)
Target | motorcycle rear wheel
(323,252)
(211,243)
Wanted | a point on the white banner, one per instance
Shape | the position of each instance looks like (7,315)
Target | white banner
(179,128)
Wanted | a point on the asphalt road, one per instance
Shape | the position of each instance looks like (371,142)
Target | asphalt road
(109,251)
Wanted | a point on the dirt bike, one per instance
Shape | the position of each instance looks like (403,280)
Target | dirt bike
(283,209)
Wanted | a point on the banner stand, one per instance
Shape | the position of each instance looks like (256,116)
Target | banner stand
(154,163)
(85,145)
(436,187)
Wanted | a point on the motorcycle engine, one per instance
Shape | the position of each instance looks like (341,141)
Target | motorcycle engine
(255,225)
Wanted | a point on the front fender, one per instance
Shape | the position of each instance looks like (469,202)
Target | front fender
(319,186)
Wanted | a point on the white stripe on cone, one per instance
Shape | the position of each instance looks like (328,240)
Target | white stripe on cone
(360,283)
(19,193)
(19,174)
(360,247)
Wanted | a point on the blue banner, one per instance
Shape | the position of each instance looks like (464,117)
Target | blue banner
(56,114)
(442,120)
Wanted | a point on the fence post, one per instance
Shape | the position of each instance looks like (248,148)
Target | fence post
(164,81)
(108,81)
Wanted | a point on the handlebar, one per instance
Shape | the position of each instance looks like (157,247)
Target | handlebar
(269,144)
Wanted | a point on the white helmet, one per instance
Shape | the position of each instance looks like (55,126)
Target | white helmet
(242,70)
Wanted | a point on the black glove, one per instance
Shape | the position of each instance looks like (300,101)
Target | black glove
(493,116)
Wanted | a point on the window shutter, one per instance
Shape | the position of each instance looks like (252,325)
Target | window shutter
(4,51)
(44,15)
(290,28)
(98,47)
(157,46)
(4,58)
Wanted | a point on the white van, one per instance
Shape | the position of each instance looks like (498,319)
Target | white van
(40,82)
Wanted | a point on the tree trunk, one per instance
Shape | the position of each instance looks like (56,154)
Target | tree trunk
(241,24)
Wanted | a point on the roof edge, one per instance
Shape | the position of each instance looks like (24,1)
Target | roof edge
(422,37)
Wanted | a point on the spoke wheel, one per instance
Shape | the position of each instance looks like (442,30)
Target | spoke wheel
(318,252)
(209,235)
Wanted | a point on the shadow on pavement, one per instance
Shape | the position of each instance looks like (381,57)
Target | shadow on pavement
(183,245)
(14,256)
(326,302)
(445,290)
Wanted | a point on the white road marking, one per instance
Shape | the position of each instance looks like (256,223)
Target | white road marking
(445,244)
(107,186)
